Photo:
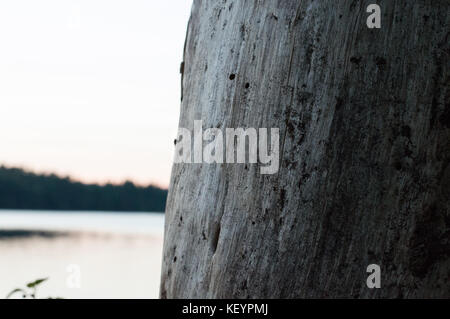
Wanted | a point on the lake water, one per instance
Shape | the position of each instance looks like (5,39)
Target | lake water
(84,254)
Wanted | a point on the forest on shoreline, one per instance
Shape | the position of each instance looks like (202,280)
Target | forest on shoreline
(21,189)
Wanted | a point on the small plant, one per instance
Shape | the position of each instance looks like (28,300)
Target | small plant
(30,291)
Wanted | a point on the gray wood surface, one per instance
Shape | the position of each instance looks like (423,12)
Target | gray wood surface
(364,176)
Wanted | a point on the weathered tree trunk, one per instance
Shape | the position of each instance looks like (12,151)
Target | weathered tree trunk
(364,174)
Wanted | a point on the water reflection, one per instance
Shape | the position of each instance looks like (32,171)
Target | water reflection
(112,263)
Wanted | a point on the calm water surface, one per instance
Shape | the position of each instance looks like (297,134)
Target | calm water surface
(118,255)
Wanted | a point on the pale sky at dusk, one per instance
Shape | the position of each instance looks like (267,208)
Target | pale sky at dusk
(91,88)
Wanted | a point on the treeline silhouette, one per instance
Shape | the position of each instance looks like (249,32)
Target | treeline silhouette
(20,189)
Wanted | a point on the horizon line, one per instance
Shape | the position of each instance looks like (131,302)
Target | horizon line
(80,180)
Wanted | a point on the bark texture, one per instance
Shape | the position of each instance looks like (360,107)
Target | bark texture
(364,174)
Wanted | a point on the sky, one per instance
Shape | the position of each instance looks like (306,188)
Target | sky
(91,88)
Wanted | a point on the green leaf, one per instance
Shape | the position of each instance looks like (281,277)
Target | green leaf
(36,283)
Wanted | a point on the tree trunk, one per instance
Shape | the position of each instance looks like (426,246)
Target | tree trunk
(364,175)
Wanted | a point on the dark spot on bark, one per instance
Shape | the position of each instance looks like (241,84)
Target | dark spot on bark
(425,18)
(340,16)
(429,242)
(380,61)
(355,60)
(206,67)
(445,117)
(303,96)
(232,76)
(181,218)
(282,198)
(398,165)
(244,284)
(246,166)
(291,165)
(339,103)
(247,85)
(242,30)
(274,17)
(175,259)
(290,128)
(253,223)
(203,235)
(175,142)
(215,238)
(406,131)
(302,179)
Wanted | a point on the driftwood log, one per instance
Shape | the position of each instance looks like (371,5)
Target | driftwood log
(364,175)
